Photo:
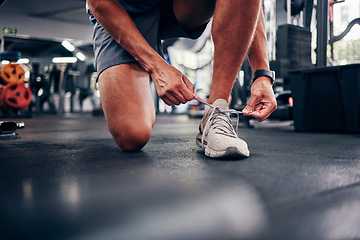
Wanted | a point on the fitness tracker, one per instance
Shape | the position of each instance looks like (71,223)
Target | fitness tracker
(264,73)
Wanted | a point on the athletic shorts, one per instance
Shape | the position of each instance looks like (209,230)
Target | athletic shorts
(155,25)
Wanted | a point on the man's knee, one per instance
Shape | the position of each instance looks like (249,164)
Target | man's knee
(131,138)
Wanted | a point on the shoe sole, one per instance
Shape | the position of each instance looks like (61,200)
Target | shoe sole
(198,140)
(230,152)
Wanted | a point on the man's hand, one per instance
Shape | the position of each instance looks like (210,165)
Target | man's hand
(262,101)
(171,85)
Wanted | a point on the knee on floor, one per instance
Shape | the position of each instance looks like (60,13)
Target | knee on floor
(131,138)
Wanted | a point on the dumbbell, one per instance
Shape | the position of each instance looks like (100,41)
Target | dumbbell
(10,127)
(7,130)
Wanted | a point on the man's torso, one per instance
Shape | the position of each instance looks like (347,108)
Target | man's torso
(138,6)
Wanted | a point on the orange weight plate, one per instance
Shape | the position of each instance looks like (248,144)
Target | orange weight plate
(12,73)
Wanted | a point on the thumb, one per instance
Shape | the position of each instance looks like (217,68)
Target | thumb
(250,106)
(188,84)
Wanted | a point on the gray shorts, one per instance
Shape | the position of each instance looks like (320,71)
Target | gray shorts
(156,25)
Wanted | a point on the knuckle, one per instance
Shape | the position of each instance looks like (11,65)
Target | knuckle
(168,89)
(188,98)
(248,106)
(177,85)
(256,95)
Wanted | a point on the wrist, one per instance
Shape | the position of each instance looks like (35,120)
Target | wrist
(264,74)
(263,81)
(152,63)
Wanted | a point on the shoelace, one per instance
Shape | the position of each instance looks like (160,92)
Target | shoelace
(212,118)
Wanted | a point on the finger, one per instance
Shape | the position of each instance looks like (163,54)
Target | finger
(188,91)
(179,97)
(166,100)
(172,99)
(186,96)
(260,116)
(259,106)
(188,83)
(272,109)
(250,106)
(263,113)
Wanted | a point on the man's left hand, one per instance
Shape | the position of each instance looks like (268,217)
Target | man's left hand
(262,100)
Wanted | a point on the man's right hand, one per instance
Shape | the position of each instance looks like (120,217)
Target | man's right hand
(171,85)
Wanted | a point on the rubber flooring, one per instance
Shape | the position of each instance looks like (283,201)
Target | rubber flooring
(66,179)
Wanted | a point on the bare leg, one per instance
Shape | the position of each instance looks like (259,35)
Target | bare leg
(128,105)
(232,30)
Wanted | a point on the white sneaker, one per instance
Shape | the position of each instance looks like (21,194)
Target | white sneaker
(217,136)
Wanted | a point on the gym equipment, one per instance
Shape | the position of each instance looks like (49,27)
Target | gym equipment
(8,129)
(327,99)
(10,56)
(1,2)
(296,6)
(12,73)
(41,90)
(284,109)
(16,96)
(293,46)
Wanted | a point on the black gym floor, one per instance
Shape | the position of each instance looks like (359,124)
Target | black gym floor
(66,179)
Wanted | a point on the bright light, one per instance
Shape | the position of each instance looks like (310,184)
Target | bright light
(68,46)
(64,60)
(80,56)
(20,61)
(23,60)
(291,101)
(40,92)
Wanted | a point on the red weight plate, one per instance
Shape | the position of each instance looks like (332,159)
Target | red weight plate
(17,96)
(1,92)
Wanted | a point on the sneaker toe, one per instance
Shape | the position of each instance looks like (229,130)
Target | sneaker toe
(229,147)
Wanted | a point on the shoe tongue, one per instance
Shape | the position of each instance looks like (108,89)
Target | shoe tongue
(221,103)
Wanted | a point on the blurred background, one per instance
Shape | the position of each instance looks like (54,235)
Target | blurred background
(52,43)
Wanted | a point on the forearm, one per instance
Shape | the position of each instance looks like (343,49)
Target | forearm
(117,22)
(257,54)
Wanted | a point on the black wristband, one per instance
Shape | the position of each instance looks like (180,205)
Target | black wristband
(264,73)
